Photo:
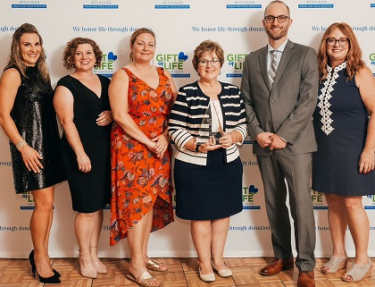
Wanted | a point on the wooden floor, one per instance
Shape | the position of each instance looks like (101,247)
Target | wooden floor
(182,272)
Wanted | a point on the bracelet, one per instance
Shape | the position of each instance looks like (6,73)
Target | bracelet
(21,144)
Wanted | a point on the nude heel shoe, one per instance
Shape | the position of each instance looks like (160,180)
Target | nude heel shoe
(99,266)
(334,264)
(357,272)
(86,267)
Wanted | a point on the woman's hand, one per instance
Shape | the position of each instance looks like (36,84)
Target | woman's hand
(104,118)
(84,162)
(31,158)
(226,140)
(162,142)
(366,161)
(206,147)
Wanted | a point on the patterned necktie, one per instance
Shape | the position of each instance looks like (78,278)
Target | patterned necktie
(273,67)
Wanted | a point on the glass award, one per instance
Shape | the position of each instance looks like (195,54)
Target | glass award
(206,128)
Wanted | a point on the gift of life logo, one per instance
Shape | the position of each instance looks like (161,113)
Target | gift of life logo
(28,198)
(107,64)
(248,194)
(174,197)
(372,199)
(236,61)
(372,58)
(318,198)
(25,4)
(172,62)
(100,2)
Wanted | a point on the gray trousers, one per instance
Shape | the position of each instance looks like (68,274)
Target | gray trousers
(296,171)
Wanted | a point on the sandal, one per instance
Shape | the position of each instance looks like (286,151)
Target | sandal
(156,266)
(334,264)
(350,263)
(358,272)
(143,280)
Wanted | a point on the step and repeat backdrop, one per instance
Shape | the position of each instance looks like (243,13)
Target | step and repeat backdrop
(180,25)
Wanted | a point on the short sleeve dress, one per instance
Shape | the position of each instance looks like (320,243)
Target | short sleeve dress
(340,123)
(140,180)
(36,122)
(90,191)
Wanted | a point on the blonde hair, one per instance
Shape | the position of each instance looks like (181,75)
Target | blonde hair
(138,32)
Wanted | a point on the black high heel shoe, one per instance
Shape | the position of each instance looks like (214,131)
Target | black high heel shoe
(31,259)
(56,273)
(52,279)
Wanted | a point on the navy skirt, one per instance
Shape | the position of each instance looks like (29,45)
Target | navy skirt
(208,192)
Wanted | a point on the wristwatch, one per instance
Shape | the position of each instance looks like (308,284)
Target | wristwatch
(197,146)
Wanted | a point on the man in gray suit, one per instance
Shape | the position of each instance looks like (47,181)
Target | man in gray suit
(280,90)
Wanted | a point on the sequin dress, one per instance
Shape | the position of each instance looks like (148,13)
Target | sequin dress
(340,123)
(35,120)
(141,181)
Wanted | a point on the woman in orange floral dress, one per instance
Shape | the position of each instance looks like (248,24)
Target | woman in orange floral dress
(141,98)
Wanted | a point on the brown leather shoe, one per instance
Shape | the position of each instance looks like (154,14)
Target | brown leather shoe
(276,266)
(306,279)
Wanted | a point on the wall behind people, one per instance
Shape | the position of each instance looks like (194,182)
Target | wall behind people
(179,25)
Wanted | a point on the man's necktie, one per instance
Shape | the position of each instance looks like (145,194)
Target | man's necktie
(273,67)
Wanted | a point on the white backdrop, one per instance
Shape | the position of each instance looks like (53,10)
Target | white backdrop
(180,25)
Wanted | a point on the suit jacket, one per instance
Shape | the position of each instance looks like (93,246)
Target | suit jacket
(285,109)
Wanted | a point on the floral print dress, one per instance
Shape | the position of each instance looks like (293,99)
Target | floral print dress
(141,181)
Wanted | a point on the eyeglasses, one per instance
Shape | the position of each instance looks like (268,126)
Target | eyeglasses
(280,18)
(342,41)
(213,62)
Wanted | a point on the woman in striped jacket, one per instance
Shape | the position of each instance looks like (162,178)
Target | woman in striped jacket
(207,123)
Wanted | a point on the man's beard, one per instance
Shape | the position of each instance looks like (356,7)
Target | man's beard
(282,33)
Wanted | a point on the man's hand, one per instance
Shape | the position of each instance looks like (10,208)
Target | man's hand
(277,142)
(264,139)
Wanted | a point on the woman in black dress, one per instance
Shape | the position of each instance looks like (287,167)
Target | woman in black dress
(207,122)
(28,119)
(82,105)
(343,166)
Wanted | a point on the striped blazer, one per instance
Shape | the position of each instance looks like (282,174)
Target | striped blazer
(188,112)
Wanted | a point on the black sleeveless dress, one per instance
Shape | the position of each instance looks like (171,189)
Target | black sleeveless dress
(340,122)
(35,120)
(90,191)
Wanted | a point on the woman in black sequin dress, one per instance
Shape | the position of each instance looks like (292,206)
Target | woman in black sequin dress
(28,119)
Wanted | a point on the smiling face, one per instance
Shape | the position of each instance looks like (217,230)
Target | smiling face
(209,70)
(143,48)
(337,54)
(84,57)
(276,30)
(30,49)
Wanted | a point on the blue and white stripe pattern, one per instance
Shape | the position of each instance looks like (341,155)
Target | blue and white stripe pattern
(187,115)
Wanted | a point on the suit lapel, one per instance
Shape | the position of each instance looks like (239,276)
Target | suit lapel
(285,58)
(263,66)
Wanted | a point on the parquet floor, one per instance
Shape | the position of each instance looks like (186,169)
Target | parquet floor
(182,273)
